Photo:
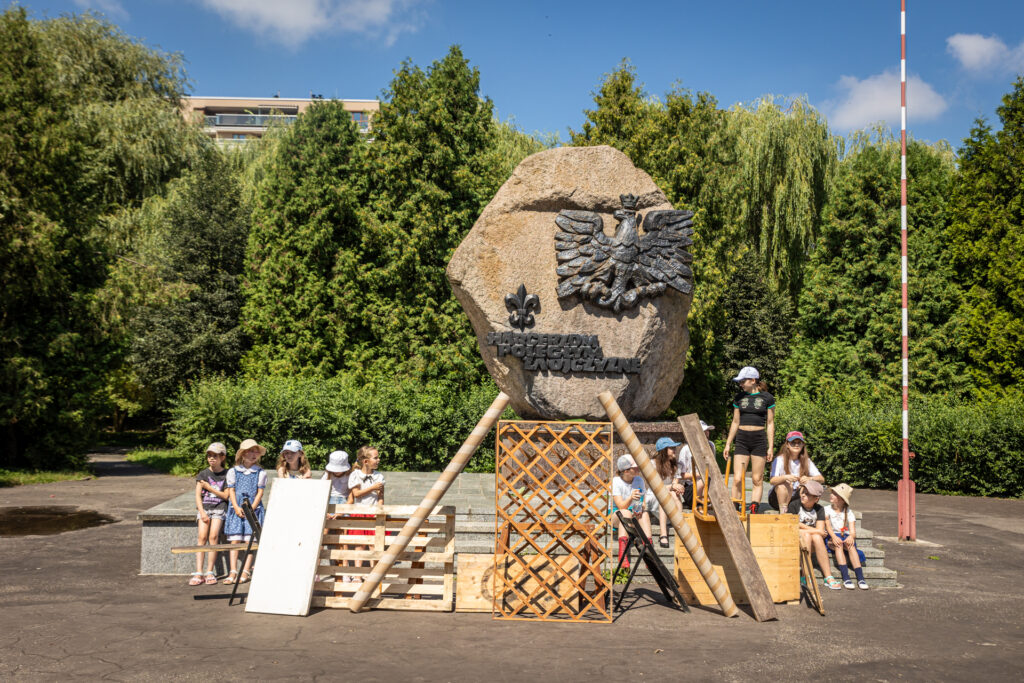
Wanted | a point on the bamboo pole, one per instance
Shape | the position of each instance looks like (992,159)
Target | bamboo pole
(440,487)
(669,504)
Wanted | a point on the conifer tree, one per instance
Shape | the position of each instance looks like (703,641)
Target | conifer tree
(307,211)
(848,331)
(199,251)
(987,241)
(433,169)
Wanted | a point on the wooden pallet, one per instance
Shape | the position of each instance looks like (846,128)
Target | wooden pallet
(552,490)
(422,576)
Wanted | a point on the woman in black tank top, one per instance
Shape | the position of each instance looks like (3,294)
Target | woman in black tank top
(753,432)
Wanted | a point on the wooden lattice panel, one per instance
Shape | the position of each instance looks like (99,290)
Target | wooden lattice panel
(552,525)
(421,577)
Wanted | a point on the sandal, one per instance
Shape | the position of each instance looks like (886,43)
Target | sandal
(211,578)
(833,583)
(232,577)
(663,541)
(246,576)
(196,580)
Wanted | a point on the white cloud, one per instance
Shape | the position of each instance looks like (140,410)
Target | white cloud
(977,53)
(112,8)
(293,22)
(877,98)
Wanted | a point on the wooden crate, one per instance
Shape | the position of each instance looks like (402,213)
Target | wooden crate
(775,540)
(422,577)
(474,582)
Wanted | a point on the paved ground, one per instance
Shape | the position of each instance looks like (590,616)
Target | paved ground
(72,605)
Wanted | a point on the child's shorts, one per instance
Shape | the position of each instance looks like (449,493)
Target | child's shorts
(831,550)
(244,538)
(214,514)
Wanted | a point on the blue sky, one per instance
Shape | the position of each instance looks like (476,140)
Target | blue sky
(540,62)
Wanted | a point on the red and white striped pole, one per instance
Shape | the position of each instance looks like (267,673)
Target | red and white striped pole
(906,512)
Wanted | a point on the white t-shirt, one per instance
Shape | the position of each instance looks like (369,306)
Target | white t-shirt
(841,521)
(684,463)
(794,468)
(339,485)
(621,489)
(358,479)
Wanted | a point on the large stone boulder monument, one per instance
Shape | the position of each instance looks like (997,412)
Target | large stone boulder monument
(576,278)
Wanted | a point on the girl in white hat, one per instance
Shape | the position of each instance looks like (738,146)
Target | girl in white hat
(753,432)
(841,535)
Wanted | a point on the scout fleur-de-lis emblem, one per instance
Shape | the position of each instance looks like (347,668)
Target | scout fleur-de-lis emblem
(521,307)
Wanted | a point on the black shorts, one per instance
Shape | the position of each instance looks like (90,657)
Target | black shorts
(751,443)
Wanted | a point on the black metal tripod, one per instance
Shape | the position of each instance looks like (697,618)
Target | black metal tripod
(254,524)
(646,552)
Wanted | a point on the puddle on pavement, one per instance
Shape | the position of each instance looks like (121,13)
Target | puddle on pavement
(40,521)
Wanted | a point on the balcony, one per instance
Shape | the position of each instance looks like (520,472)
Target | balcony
(253,120)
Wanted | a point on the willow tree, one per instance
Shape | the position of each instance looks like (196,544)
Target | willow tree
(89,127)
(786,159)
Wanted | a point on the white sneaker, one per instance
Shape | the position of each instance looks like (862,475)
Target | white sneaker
(863,585)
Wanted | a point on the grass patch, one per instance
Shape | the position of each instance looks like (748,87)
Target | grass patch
(23,477)
(162,460)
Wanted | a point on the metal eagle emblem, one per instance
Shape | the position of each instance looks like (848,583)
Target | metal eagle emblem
(617,272)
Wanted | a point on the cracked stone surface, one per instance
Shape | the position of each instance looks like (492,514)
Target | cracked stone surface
(512,243)
(74,607)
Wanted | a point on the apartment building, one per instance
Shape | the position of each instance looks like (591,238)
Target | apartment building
(235,120)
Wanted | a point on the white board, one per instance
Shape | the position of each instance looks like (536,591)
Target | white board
(289,552)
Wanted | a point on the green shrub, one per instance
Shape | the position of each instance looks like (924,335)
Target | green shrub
(417,427)
(970,448)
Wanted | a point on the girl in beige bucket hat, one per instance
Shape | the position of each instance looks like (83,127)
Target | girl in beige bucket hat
(246,481)
(841,535)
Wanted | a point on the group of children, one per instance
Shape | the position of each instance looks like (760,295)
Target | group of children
(221,492)
(797,488)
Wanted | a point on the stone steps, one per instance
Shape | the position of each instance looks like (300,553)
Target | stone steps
(476,535)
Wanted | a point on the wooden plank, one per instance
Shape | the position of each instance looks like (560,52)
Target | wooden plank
(401,572)
(216,547)
(282,581)
(732,530)
(415,544)
(391,524)
(384,603)
(392,510)
(473,583)
(449,567)
(372,555)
